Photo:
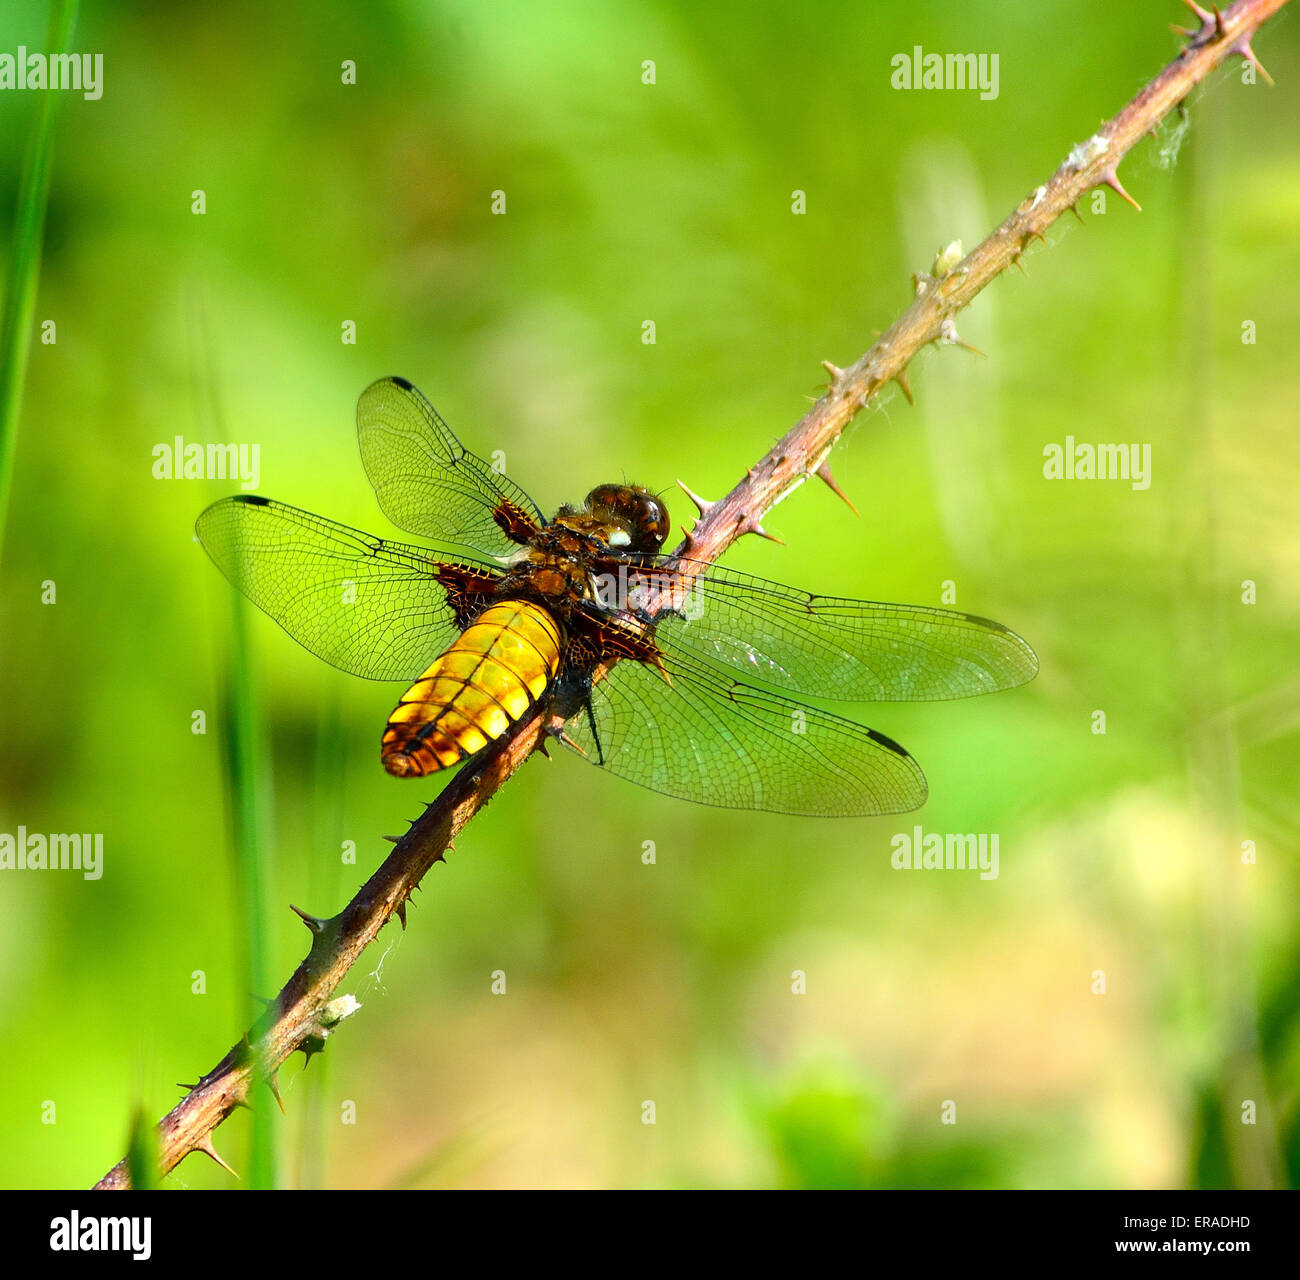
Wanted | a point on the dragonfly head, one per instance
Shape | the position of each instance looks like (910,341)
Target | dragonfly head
(632,518)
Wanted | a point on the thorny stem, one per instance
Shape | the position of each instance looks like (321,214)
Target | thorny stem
(304,1013)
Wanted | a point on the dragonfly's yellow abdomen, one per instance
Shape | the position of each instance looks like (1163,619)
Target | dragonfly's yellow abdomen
(495,671)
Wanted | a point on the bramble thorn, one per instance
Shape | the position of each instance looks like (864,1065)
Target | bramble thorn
(273,1084)
(905,386)
(658,664)
(824,473)
(1111,179)
(750,525)
(205,1145)
(702,504)
(315,924)
(559,732)
(836,373)
(949,337)
(1243,50)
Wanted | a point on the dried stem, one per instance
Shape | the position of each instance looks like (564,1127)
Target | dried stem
(304,1013)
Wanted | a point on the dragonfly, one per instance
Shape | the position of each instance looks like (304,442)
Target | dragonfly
(690,679)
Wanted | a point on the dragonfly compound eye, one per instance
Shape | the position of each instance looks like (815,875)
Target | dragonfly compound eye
(636,514)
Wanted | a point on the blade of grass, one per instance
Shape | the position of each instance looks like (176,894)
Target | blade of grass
(247,780)
(142,1153)
(25,261)
(249,789)
(323,881)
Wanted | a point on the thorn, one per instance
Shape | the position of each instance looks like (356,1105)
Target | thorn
(558,731)
(392,839)
(310,1047)
(189,1088)
(1020,264)
(1035,235)
(205,1145)
(834,370)
(1206,19)
(315,924)
(824,473)
(657,662)
(273,1083)
(905,386)
(400,912)
(1111,179)
(750,525)
(1074,209)
(540,747)
(704,506)
(949,337)
(689,538)
(1243,50)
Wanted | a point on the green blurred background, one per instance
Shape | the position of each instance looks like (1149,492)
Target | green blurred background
(668,202)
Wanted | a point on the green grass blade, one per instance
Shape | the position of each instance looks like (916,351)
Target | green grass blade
(249,786)
(251,820)
(25,262)
(142,1152)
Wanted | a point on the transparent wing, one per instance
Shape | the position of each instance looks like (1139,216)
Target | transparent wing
(382,610)
(428,483)
(843,649)
(722,742)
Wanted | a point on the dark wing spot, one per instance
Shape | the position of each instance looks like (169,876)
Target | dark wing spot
(253,499)
(889,743)
(401,382)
